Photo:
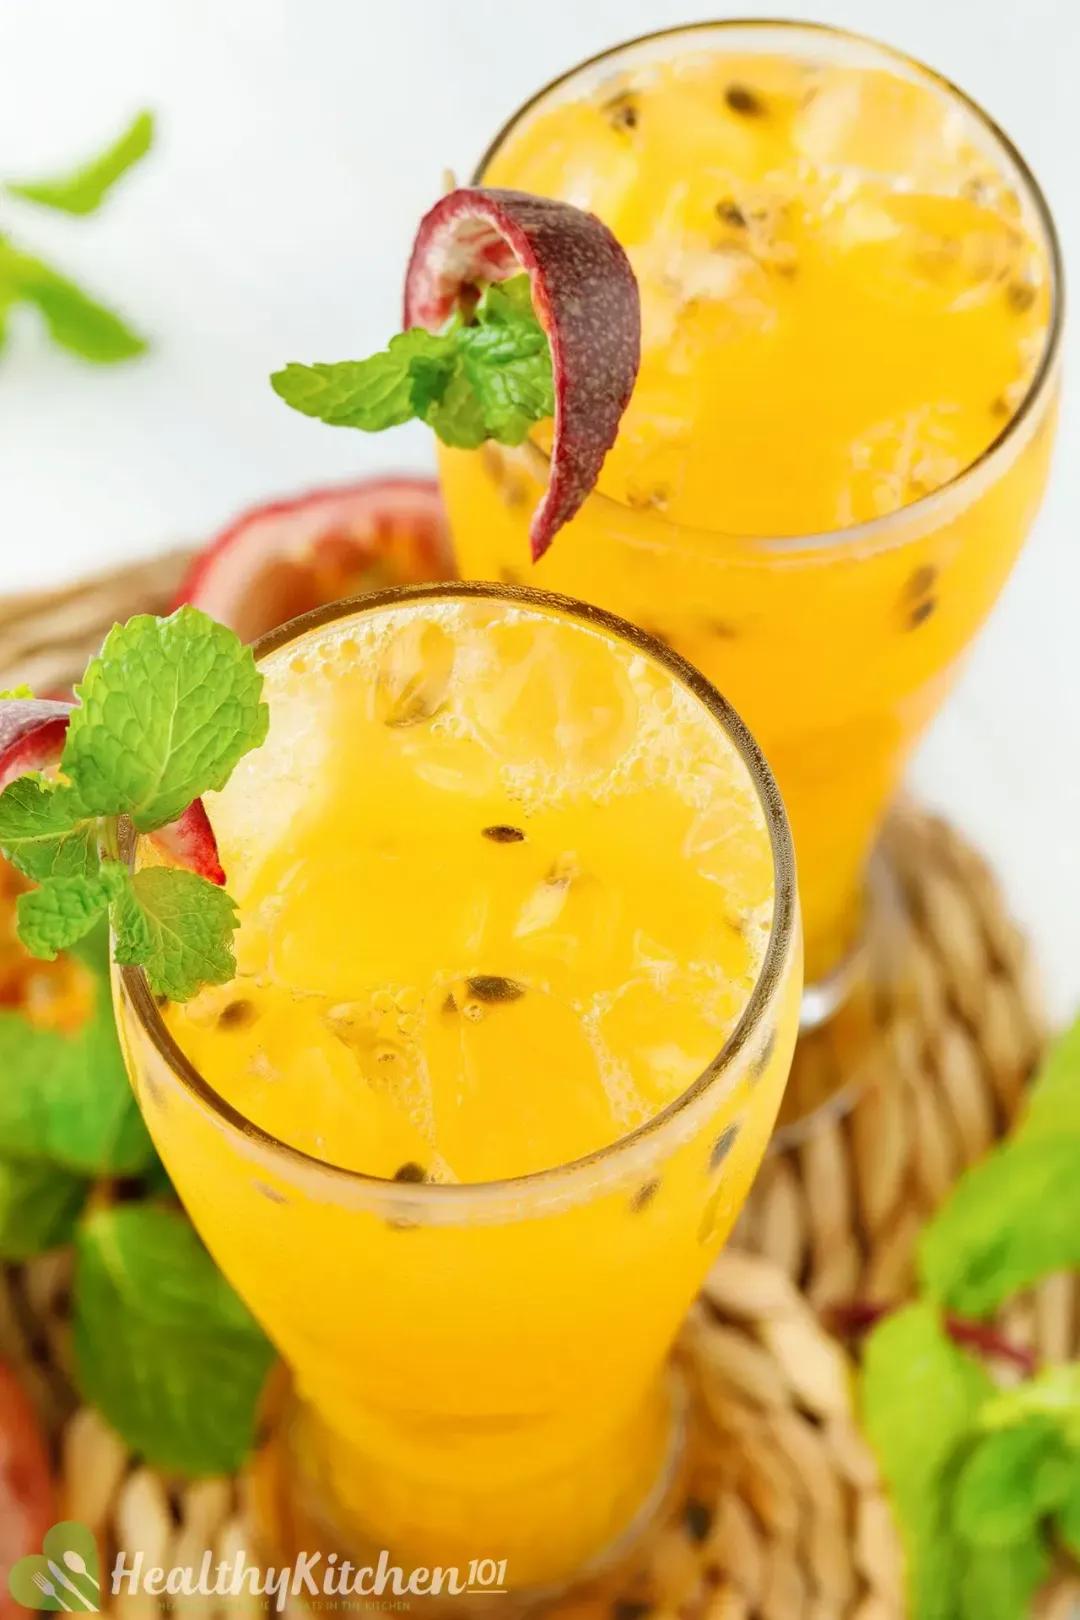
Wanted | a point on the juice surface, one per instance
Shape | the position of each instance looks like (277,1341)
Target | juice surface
(839,295)
(846,297)
(505,890)
(505,887)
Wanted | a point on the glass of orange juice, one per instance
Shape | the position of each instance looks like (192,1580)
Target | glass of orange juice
(851,307)
(519,972)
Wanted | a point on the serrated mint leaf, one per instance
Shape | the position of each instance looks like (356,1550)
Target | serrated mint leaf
(61,912)
(19,693)
(39,1208)
(508,300)
(73,319)
(179,928)
(920,1397)
(382,392)
(66,1100)
(166,712)
(1068,1518)
(163,1347)
(43,831)
(85,188)
(458,417)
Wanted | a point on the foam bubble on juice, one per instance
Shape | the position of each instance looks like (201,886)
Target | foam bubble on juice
(519,908)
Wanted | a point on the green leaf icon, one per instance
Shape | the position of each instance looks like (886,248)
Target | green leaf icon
(64,1576)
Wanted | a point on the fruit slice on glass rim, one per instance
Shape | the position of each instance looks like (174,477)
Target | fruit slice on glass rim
(280,560)
(32,736)
(517,309)
(584,295)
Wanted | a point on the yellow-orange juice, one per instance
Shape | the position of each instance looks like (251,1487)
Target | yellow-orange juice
(517,994)
(841,428)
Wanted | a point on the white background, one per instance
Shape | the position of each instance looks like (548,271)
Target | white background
(300,140)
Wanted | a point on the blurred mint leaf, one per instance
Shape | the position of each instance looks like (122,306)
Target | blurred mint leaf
(1015,1217)
(920,1396)
(39,1208)
(84,189)
(65,1100)
(177,926)
(488,378)
(1009,1481)
(166,711)
(1000,1582)
(163,1346)
(74,319)
(1053,1394)
(1068,1519)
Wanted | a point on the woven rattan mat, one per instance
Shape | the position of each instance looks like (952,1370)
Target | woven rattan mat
(783,1517)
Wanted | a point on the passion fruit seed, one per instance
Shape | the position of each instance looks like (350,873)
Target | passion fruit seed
(729,213)
(698,1519)
(744,101)
(237,1015)
(644,1195)
(503,835)
(491,990)
(722,1146)
(585,297)
(410,1171)
(622,111)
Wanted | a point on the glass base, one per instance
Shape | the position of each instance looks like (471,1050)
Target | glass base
(846,1026)
(297,1525)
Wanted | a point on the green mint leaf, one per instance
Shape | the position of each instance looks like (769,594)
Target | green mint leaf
(458,416)
(19,692)
(1015,1217)
(920,1397)
(73,319)
(1008,1482)
(60,913)
(1053,1394)
(163,1347)
(490,378)
(1000,1583)
(39,1208)
(1068,1518)
(179,928)
(85,188)
(382,392)
(1009,1221)
(167,710)
(66,1100)
(44,831)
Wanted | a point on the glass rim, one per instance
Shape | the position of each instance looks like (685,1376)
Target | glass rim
(877,528)
(782,934)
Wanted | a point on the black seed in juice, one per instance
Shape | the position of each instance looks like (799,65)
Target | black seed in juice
(1021,296)
(741,99)
(921,612)
(644,1195)
(631,1609)
(622,112)
(723,1146)
(922,580)
(698,1519)
(1000,407)
(731,214)
(237,1015)
(450,1004)
(504,835)
(272,1193)
(487,987)
(764,1057)
(410,1172)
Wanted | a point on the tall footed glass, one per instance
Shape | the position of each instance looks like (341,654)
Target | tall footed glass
(519,978)
(841,432)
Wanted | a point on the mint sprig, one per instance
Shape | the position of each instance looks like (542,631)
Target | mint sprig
(485,377)
(985,1482)
(163,1347)
(74,319)
(167,711)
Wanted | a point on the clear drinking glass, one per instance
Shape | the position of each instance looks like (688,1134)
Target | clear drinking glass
(480,1370)
(838,646)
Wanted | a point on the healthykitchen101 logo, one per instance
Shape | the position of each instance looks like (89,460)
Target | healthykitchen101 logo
(63,1576)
